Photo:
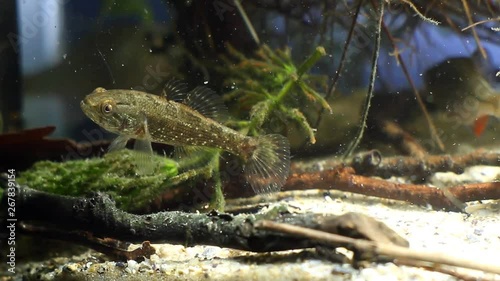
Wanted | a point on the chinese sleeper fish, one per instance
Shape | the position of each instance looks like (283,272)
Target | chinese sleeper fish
(186,118)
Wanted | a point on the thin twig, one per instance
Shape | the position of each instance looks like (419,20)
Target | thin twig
(371,86)
(415,9)
(247,21)
(474,33)
(439,268)
(480,22)
(343,57)
(376,248)
(430,123)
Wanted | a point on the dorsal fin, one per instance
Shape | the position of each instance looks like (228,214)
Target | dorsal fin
(175,90)
(207,103)
(201,99)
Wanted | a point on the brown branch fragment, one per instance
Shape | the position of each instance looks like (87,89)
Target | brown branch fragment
(376,248)
(402,139)
(372,163)
(345,179)
(422,167)
(440,268)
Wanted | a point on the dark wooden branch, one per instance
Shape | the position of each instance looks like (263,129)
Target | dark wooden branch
(373,164)
(96,220)
(368,164)
(98,215)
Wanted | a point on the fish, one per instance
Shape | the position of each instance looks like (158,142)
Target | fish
(458,86)
(186,119)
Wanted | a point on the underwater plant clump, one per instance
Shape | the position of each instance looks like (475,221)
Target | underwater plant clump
(271,86)
(113,174)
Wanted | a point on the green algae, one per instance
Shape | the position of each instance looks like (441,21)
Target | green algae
(113,174)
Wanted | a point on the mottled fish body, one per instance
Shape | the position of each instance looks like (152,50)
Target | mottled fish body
(184,118)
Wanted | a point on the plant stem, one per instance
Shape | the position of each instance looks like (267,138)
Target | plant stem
(217,202)
(281,95)
(354,144)
(308,64)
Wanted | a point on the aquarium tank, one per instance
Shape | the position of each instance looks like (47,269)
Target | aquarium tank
(249,140)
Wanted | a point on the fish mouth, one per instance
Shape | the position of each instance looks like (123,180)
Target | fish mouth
(85,103)
(88,109)
(85,106)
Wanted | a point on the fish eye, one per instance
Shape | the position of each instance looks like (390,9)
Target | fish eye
(106,107)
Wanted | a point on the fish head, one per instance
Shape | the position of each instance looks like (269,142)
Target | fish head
(113,110)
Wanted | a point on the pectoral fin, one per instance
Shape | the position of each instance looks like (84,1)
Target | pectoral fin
(144,151)
(480,124)
(143,156)
(119,143)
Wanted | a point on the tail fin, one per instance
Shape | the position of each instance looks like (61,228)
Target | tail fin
(268,166)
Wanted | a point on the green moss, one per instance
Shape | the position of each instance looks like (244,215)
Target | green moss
(114,174)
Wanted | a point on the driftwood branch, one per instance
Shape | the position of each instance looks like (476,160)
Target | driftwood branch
(375,248)
(345,179)
(371,164)
(98,215)
(356,177)
(96,222)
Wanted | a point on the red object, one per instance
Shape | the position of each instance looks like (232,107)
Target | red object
(480,125)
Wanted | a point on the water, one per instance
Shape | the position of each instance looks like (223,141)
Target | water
(274,63)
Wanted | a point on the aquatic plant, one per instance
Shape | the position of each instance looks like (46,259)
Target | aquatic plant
(268,86)
(271,86)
